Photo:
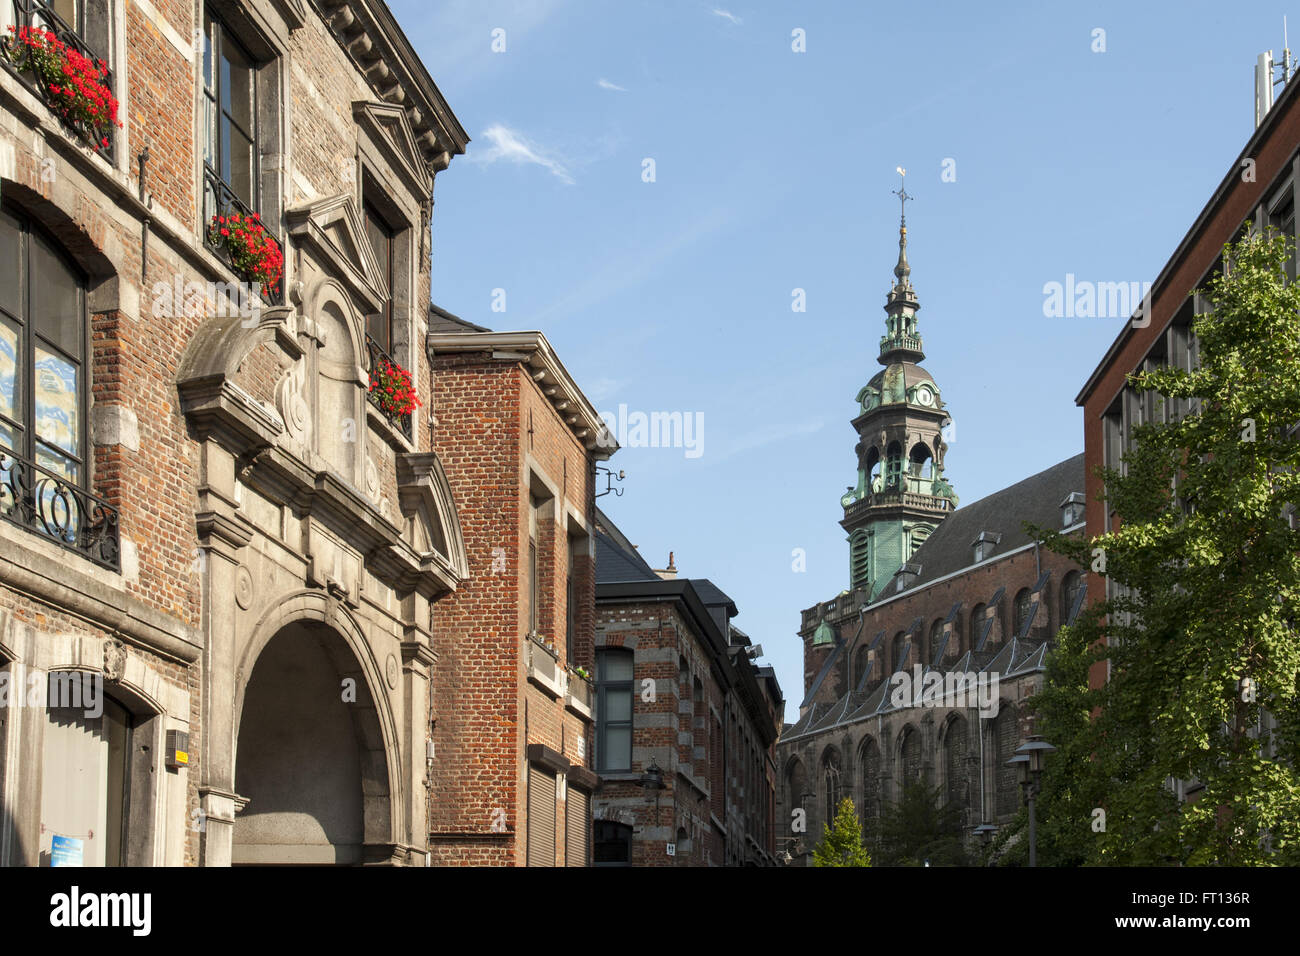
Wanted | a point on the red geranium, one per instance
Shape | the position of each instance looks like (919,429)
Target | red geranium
(76,86)
(253,251)
(391,389)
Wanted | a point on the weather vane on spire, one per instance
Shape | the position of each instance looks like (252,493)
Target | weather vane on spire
(901,193)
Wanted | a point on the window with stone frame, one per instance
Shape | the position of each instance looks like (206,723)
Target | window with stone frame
(831,782)
(870,782)
(611,844)
(1006,739)
(955,748)
(240,73)
(89,21)
(614,670)
(391,237)
(1070,588)
(910,754)
(1023,605)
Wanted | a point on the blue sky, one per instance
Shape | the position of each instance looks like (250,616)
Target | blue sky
(773,171)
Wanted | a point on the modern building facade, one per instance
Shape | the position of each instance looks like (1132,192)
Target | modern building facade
(686,720)
(218,530)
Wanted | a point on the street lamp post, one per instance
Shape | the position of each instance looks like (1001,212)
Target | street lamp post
(1028,763)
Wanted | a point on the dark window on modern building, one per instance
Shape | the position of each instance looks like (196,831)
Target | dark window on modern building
(614,709)
(612,845)
(43,391)
(381,234)
(230,146)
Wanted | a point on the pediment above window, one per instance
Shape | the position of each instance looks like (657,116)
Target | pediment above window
(391,132)
(331,229)
(426,497)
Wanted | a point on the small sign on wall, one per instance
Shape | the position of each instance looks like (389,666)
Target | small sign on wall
(672,849)
(66,851)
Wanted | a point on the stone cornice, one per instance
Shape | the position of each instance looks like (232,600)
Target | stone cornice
(369,35)
(549,374)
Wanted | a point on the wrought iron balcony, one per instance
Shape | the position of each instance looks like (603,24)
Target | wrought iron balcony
(40,15)
(44,502)
(220,200)
(377,354)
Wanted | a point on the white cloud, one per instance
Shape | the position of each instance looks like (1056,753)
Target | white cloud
(510,146)
(727,15)
(605,84)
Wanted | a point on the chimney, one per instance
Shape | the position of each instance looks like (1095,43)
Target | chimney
(670,572)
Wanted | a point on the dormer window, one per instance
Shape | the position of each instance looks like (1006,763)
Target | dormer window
(1072,509)
(907,574)
(985,544)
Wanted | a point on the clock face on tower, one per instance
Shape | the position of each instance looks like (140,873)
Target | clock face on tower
(925,395)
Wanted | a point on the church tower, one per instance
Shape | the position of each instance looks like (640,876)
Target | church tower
(901,494)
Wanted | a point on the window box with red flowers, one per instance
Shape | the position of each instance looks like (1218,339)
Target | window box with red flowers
(253,253)
(391,389)
(73,84)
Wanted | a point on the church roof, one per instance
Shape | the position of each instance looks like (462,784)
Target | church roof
(1036,499)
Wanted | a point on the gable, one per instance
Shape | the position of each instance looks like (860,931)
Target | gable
(390,130)
(332,229)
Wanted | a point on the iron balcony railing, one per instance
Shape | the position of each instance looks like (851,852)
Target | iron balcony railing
(40,500)
(377,354)
(39,14)
(220,200)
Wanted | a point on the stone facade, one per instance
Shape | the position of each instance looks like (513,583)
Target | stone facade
(268,543)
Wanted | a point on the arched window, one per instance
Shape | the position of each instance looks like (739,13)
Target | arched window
(614,709)
(1023,604)
(910,754)
(1071,588)
(920,461)
(873,470)
(85,774)
(861,658)
(893,466)
(896,651)
(955,746)
(831,781)
(976,625)
(936,640)
(796,785)
(870,781)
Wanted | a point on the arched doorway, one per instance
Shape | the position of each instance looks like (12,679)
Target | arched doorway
(310,758)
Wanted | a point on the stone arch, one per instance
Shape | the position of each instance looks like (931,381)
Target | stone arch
(869,760)
(331,648)
(832,770)
(75,241)
(955,748)
(339,379)
(920,461)
(908,756)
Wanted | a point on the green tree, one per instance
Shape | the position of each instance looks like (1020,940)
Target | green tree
(920,827)
(841,843)
(1199,633)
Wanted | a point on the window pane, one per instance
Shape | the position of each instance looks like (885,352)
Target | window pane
(11,266)
(237,85)
(10,387)
(616,665)
(377,329)
(618,748)
(57,414)
(207,51)
(209,131)
(240,176)
(618,705)
(56,299)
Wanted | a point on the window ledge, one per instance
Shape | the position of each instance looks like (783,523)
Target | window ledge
(544,669)
(391,432)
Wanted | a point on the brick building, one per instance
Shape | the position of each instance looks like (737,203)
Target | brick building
(512,704)
(209,516)
(937,593)
(686,720)
(1258,188)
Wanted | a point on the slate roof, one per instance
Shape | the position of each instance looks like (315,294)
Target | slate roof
(616,558)
(1036,499)
(440,320)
